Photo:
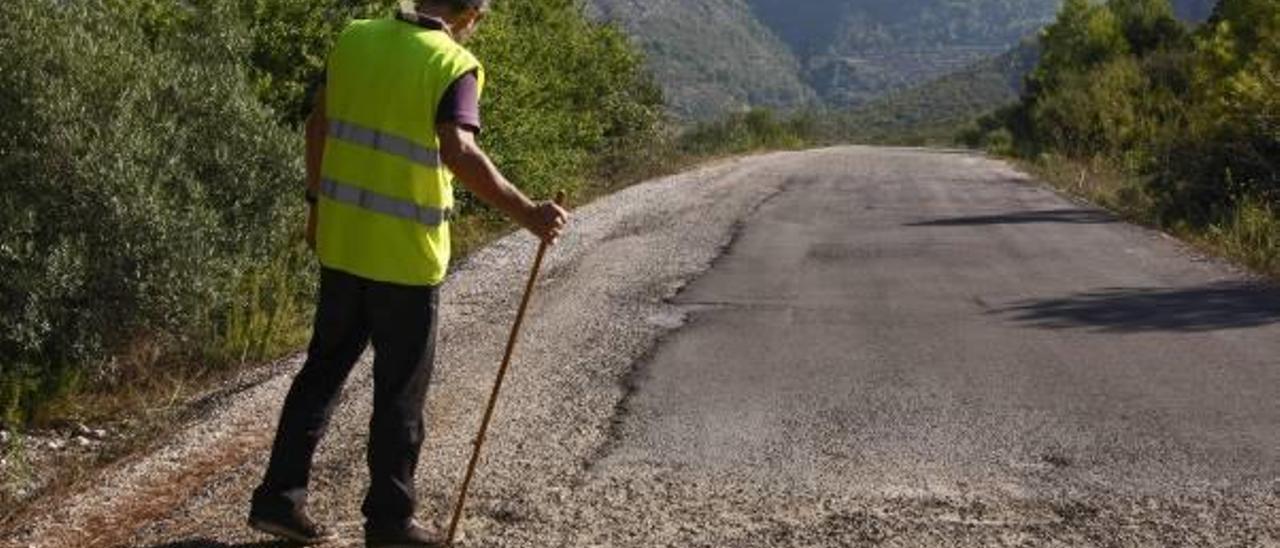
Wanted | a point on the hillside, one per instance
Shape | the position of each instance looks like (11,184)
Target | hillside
(937,110)
(723,55)
(710,56)
(855,51)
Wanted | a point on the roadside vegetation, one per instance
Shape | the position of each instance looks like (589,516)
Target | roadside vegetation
(150,156)
(1172,126)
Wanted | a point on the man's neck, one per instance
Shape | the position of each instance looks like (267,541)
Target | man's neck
(437,12)
(429,12)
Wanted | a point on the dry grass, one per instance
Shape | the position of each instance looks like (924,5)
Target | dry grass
(114,523)
(1249,237)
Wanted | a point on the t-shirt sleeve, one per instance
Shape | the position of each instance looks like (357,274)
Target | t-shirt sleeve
(461,103)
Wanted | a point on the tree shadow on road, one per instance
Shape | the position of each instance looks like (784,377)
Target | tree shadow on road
(1067,216)
(1213,307)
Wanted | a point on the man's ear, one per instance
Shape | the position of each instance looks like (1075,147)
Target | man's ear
(470,17)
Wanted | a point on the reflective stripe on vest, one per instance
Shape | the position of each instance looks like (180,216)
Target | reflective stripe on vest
(386,205)
(386,194)
(383,142)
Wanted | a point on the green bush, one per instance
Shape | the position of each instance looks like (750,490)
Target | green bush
(289,41)
(1193,115)
(567,99)
(1084,36)
(1230,148)
(1092,112)
(756,129)
(151,169)
(141,181)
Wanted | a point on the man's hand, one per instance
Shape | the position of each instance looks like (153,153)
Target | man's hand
(546,221)
(463,156)
(311,228)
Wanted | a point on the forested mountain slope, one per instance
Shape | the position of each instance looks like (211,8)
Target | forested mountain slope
(937,109)
(710,56)
(853,51)
(722,55)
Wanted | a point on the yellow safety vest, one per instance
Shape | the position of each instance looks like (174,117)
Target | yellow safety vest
(385,196)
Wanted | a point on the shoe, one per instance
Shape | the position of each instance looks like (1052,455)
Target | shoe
(294,526)
(412,535)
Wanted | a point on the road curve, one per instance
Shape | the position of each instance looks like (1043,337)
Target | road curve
(843,347)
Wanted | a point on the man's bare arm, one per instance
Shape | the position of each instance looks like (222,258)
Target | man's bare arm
(317,131)
(470,164)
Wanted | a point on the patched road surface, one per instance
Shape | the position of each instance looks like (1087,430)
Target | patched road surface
(842,347)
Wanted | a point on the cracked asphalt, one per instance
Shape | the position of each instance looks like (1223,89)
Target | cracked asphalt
(842,347)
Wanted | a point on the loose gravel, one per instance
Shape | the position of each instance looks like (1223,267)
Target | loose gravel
(600,305)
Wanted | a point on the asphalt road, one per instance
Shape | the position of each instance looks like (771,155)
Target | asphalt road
(845,347)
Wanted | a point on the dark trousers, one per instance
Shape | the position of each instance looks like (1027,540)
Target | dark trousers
(401,323)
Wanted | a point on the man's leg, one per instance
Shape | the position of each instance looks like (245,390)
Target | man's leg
(404,326)
(341,334)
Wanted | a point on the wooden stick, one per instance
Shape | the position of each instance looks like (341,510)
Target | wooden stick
(497,387)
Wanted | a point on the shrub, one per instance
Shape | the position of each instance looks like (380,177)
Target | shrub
(568,98)
(748,131)
(1091,112)
(151,169)
(142,180)
(1194,116)
(1236,125)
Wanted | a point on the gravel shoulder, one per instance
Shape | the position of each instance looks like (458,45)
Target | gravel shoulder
(601,304)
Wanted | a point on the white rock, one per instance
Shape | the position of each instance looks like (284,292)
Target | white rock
(83,441)
(56,445)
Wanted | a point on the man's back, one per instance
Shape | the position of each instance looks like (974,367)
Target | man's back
(386,216)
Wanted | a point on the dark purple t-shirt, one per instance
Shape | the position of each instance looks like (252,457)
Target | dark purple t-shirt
(461,103)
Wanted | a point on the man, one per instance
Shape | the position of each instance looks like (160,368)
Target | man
(394,122)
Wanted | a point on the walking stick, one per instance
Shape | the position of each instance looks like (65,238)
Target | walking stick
(497,387)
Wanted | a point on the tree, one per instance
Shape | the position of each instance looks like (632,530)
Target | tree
(1148,25)
(1083,36)
(1237,82)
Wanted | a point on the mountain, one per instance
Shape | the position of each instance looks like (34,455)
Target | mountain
(710,56)
(855,50)
(937,110)
(715,56)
